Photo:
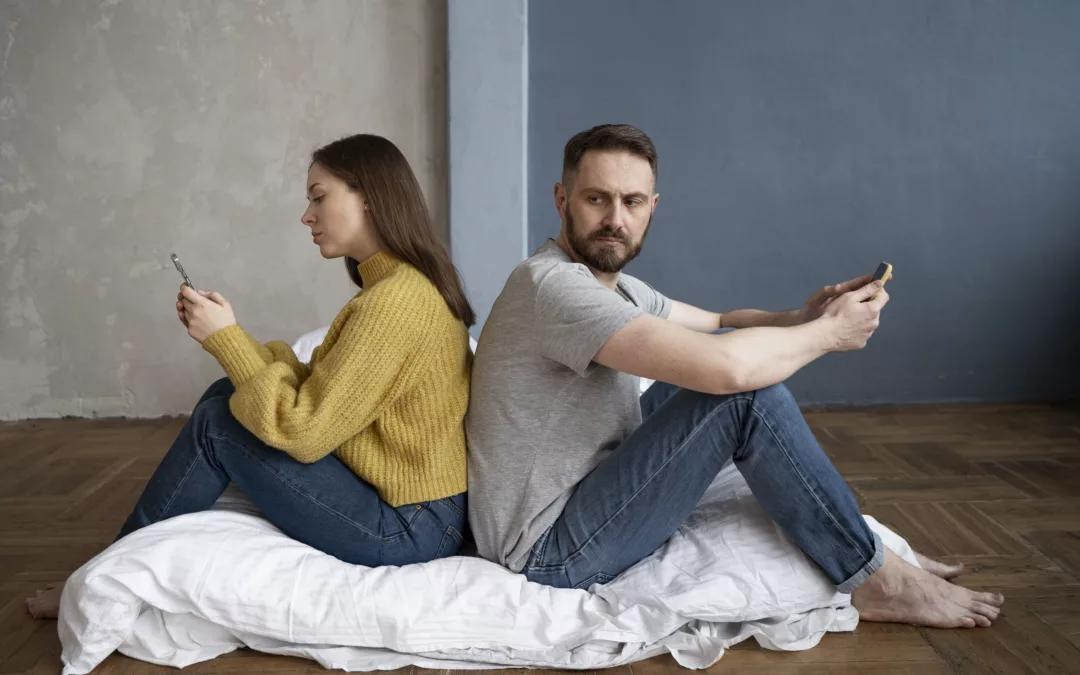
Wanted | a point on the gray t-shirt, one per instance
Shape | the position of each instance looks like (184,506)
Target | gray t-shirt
(541,413)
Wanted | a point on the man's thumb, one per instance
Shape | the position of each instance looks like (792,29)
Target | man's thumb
(867,291)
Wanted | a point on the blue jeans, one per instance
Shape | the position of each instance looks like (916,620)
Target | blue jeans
(323,504)
(630,504)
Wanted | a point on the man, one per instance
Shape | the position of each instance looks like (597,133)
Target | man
(573,478)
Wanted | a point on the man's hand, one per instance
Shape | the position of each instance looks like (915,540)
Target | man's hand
(203,312)
(815,307)
(850,319)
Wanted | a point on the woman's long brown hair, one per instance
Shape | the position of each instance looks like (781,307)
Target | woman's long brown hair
(397,210)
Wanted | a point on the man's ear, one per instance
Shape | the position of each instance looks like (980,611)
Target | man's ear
(560,199)
(655,201)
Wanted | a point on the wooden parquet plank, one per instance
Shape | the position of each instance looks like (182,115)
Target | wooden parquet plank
(1036,515)
(1018,643)
(919,460)
(1058,611)
(1042,478)
(1032,573)
(949,528)
(936,489)
(42,644)
(1062,548)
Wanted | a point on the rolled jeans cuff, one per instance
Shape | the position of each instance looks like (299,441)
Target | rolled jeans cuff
(869,568)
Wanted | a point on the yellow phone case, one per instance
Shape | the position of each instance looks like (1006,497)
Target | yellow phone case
(883,272)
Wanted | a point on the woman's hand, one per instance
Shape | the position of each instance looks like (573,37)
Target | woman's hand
(203,313)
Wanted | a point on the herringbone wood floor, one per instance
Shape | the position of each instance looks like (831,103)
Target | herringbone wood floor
(996,487)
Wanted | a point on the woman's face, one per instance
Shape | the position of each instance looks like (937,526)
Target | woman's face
(337,217)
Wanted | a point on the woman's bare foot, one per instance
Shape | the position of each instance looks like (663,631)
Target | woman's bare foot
(46,603)
(901,593)
(939,569)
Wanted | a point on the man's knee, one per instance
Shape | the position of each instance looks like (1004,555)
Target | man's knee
(775,396)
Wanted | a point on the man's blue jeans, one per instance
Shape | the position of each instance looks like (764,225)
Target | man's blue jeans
(323,504)
(630,504)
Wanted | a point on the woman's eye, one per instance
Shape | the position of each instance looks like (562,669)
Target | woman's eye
(318,200)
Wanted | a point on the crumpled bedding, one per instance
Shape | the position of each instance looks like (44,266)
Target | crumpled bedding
(194,587)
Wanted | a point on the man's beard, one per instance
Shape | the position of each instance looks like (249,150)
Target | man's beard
(603,258)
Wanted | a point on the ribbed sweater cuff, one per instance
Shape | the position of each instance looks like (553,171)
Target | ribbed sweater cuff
(237,352)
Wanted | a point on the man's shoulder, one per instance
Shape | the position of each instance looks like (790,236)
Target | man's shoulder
(547,262)
(634,284)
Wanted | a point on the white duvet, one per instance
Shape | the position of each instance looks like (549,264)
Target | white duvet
(194,587)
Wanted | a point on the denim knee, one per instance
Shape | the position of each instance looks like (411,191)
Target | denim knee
(210,414)
(774,396)
(222,387)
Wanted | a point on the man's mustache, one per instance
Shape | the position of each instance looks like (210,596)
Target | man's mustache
(610,234)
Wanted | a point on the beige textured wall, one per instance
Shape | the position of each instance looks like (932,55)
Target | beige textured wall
(132,129)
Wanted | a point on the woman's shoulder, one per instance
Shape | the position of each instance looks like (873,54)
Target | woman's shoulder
(408,282)
(407,290)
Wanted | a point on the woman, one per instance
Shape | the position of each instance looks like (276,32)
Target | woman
(360,454)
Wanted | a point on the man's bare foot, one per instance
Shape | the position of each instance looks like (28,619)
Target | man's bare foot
(901,593)
(46,603)
(939,569)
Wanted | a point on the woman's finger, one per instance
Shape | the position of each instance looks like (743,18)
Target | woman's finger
(191,295)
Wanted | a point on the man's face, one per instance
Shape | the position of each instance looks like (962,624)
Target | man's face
(608,209)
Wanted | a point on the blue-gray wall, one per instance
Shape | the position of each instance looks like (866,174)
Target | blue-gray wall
(802,142)
(487,73)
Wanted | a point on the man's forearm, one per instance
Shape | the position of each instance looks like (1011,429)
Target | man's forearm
(751,318)
(762,356)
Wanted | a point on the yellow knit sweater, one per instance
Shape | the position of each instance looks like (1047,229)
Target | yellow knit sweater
(386,391)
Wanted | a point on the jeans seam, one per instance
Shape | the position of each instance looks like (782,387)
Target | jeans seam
(449,502)
(682,446)
(183,481)
(300,492)
(447,533)
(799,472)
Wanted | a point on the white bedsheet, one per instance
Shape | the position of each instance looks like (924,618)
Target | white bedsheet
(194,587)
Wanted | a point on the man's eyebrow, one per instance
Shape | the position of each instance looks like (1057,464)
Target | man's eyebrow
(607,193)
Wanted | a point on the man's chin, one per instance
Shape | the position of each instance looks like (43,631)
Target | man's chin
(608,265)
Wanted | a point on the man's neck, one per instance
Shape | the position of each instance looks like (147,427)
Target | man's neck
(609,280)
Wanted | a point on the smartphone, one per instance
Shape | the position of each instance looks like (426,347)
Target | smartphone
(882,273)
(180,269)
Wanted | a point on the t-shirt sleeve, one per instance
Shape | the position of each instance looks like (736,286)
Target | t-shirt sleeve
(574,315)
(648,298)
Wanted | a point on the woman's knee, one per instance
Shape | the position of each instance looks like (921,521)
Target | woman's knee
(221,388)
(212,415)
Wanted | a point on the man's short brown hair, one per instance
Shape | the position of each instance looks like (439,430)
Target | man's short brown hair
(606,137)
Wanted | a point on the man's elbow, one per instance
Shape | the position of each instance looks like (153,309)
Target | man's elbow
(725,377)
